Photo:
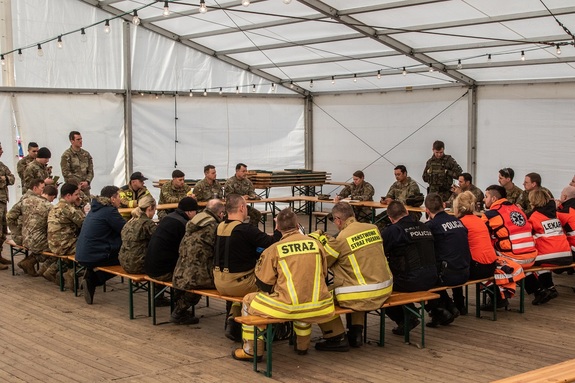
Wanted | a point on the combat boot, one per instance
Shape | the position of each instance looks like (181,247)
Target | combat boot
(42,268)
(69,280)
(4,261)
(50,273)
(233,330)
(3,267)
(28,265)
(337,343)
(355,335)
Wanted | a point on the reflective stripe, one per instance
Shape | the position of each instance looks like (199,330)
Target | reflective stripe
(554,234)
(301,328)
(523,245)
(355,266)
(289,282)
(570,233)
(287,307)
(561,254)
(331,251)
(514,237)
(372,287)
(317,279)
(368,294)
(520,261)
(329,309)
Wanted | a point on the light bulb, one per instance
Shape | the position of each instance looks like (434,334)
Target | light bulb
(2,59)
(40,51)
(333,79)
(430,67)
(20,55)
(142,94)
(83,36)
(157,96)
(136,18)
(221,90)
(60,43)
(459,64)
(246,3)
(489,57)
(287,1)
(379,74)
(522,55)
(166,9)
(205,92)
(404,72)
(291,84)
(355,78)
(273,87)
(237,89)
(253,87)
(107,26)
(558,50)
(311,83)
(203,8)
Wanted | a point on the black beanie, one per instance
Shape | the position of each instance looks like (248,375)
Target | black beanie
(44,152)
(188,204)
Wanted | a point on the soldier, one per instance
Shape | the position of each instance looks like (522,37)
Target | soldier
(240,184)
(195,266)
(131,193)
(506,180)
(39,168)
(64,223)
(466,185)
(23,163)
(136,235)
(14,217)
(362,280)
(209,187)
(173,191)
(440,170)
(35,228)
(6,178)
(532,182)
(296,266)
(402,190)
(76,163)
(360,190)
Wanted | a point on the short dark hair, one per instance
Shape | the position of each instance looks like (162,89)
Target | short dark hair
(286,220)
(50,190)
(208,167)
(434,203)
(466,176)
(240,165)
(178,174)
(109,191)
(535,178)
(35,182)
(396,210)
(507,173)
(401,167)
(343,210)
(233,202)
(358,174)
(32,144)
(497,191)
(68,188)
(72,134)
(438,145)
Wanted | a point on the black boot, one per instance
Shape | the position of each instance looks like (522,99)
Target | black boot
(337,343)
(233,330)
(400,329)
(440,316)
(501,303)
(541,296)
(355,335)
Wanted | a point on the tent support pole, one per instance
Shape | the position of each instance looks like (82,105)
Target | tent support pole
(472,131)
(128,101)
(308,132)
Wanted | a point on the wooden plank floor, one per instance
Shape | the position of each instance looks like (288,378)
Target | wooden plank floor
(51,336)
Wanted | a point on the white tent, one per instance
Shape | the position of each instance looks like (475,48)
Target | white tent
(330,85)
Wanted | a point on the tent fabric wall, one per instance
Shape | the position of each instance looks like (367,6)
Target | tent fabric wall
(376,132)
(8,141)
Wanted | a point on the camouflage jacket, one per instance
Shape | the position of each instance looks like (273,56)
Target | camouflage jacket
(9,180)
(35,211)
(194,268)
(21,167)
(400,191)
(241,187)
(35,170)
(362,192)
(439,173)
(169,194)
(14,219)
(77,166)
(135,237)
(64,224)
(523,200)
(205,192)
(514,194)
(476,192)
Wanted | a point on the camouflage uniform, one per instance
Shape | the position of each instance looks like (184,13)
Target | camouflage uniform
(77,166)
(35,211)
(64,223)
(362,192)
(135,237)
(35,170)
(14,218)
(400,191)
(169,194)
(205,192)
(130,198)
(9,180)
(194,269)
(476,192)
(523,199)
(244,187)
(514,194)
(439,173)
(21,167)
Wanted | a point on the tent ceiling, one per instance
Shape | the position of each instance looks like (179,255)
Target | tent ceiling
(351,41)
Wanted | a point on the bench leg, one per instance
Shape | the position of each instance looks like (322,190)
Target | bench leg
(522,296)
(381,327)
(61,274)
(152,302)
(131,298)
(269,338)
(419,314)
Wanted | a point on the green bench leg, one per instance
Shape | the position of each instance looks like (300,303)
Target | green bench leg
(269,338)
(152,302)
(131,298)
(381,327)
(419,314)
(522,296)
(61,274)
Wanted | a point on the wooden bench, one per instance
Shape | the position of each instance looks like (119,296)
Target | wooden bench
(16,250)
(560,372)
(535,269)
(59,258)
(477,283)
(396,299)
(136,282)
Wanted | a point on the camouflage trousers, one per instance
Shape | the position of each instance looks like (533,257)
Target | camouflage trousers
(3,223)
(255,216)
(183,300)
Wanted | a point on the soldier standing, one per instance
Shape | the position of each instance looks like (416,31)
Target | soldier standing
(173,191)
(6,178)
(440,171)
(240,184)
(23,163)
(209,187)
(76,163)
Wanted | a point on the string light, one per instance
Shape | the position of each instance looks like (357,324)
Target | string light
(166,9)
(311,83)
(191,93)
(107,26)
(221,90)
(157,96)
(430,67)
(379,74)
(333,79)
(459,64)
(355,77)
(237,89)
(2,59)
(40,51)
(83,36)
(489,57)
(60,43)
(253,87)
(136,18)
(404,72)
(291,84)
(246,3)
(142,94)
(558,50)
(203,8)
(205,92)
(522,55)
(20,55)
(273,87)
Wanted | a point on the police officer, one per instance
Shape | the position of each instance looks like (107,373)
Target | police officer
(440,171)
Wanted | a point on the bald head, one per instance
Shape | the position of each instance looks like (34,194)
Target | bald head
(216,206)
(567,193)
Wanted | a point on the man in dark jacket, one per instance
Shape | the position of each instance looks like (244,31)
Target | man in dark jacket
(163,253)
(100,240)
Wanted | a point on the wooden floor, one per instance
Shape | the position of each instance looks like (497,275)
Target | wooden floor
(51,336)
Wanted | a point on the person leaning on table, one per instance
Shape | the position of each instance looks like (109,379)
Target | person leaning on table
(359,190)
